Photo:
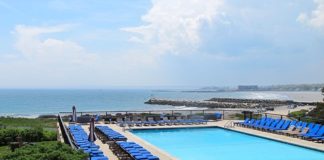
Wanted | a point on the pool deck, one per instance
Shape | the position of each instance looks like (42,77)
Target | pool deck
(163,155)
(103,147)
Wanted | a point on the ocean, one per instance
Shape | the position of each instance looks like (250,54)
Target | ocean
(34,102)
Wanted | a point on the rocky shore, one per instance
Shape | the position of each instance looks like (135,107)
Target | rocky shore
(227,103)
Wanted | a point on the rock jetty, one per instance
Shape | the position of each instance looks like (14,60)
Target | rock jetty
(225,103)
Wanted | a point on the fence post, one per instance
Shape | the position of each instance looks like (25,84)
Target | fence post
(223,117)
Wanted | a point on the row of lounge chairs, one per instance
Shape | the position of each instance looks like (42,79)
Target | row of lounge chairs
(304,130)
(164,121)
(80,138)
(136,151)
(109,134)
(120,147)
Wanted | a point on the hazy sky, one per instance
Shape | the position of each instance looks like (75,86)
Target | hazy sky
(109,43)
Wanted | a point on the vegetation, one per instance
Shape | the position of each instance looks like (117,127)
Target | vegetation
(29,130)
(317,114)
(298,114)
(10,122)
(27,135)
(4,150)
(44,151)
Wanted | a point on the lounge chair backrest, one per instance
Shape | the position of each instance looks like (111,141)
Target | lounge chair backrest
(320,132)
(286,124)
(269,122)
(298,123)
(274,122)
(304,124)
(257,122)
(315,129)
(252,121)
(293,123)
(279,124)
(263,120)
(311,125)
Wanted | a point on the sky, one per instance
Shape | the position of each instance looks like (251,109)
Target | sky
(141,43)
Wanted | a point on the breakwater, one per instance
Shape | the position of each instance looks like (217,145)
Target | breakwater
(226,103)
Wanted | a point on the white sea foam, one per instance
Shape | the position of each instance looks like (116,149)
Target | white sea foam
(189,108)
(264,95)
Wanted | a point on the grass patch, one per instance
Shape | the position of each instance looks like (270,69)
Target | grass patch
(4,150)
(46,123)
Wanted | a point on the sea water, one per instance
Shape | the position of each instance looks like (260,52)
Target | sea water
(33,102)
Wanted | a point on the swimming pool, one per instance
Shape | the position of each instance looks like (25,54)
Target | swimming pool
(221,144)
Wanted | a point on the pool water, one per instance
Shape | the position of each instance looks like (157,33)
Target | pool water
(221,144)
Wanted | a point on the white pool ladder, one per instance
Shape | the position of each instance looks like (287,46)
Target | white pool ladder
(229,124)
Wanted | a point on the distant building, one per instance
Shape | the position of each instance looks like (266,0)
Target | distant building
(248,88)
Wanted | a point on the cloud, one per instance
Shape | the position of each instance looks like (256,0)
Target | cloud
(44,58)
(174,25)
(314,19)
(32,46)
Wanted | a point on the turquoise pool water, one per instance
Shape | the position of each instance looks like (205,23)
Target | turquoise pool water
(221,144)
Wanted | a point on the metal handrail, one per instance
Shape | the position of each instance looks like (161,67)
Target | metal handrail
(65,133)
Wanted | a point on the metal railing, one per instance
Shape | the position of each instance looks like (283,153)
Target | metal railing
(65,134)
(227,114)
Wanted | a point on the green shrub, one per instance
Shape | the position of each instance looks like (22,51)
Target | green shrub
(27,135)
(45,151)
(298,114)
(317,114)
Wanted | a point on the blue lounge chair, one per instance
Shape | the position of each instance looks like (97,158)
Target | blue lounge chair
(266,124)
(218,116)
(248,123)
(315,132)
(111,134)
(279,125)
(273,124)
(80,138)
(256,122)
(136,151)
(244,122)
(303,125)
(263,121)
(311,131)
(285,126)
(311,125)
